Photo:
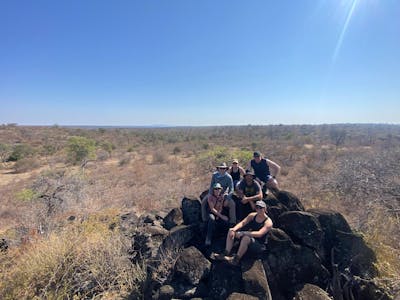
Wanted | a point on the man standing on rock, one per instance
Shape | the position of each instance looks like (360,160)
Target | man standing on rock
(225,180)
(265,170)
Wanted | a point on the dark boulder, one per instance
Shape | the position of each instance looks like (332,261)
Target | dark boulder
(146,241)
(191,210)
(311,292)
(178,238)
(290,201)
(191,266)
(363,289)
(224,280)
(303,228)
(255,280)
(331,222)
(352,252)
(173,218)
(291,265)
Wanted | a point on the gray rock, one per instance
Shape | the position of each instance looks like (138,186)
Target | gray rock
(290,264)
(191,210)
(166,292)
(240,296)
(225,280)
(310,291)
(303,227)
(191,266)
(352,252)
(290,201)
(178,238)
(255,280)
(173,218)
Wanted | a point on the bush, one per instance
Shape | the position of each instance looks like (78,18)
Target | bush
(85,260)
(80,149)
(176,150)
(25,165)
(21,151)
(26,195)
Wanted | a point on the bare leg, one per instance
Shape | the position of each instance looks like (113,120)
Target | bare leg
(244,244)
(273,184)
(229,242)
(232,210)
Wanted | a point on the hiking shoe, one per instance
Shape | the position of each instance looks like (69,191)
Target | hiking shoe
(218,256)
(233,260)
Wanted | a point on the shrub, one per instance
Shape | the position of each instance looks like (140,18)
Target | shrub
(26,195)
(26,164)
(176,150)
(80,149)
(85,260)
(5,151)
(21,151)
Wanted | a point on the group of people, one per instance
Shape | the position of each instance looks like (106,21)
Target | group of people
(234,204)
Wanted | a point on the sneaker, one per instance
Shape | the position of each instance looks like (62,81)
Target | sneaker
(218,256)
(233,260)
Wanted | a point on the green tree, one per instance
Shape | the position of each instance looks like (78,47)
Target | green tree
(80,149)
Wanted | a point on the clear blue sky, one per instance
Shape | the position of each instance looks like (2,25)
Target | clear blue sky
(199,62)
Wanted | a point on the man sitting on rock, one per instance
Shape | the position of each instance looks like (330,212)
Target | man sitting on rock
(216,218)
(225,180)
(247,194)
(252,235)
(265,170)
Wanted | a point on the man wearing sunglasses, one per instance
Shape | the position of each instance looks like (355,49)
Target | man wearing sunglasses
(225,180)
(251,232)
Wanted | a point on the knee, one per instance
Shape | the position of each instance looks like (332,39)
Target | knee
(211,217)
(246,240)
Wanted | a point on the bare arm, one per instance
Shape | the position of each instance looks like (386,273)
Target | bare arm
(211,205)
(267,226)
(275,168)
(242,171)
(243,222)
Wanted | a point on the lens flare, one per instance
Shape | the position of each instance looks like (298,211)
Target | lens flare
(344,29)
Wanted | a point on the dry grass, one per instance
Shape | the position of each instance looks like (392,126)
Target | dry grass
(82,260)
(356,175)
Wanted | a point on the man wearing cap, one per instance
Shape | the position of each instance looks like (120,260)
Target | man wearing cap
(251,232)
(225,180)
(248,192)
(265,171)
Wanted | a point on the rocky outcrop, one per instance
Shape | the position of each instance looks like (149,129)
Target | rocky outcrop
(310,291)
(310,254)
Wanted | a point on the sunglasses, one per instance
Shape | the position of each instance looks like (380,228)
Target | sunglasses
(259,207)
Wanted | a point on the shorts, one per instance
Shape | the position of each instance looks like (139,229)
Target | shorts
(256,247)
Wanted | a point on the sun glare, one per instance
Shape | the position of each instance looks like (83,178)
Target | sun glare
(350,6)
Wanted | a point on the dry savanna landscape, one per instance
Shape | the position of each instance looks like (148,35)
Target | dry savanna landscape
(63,188)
